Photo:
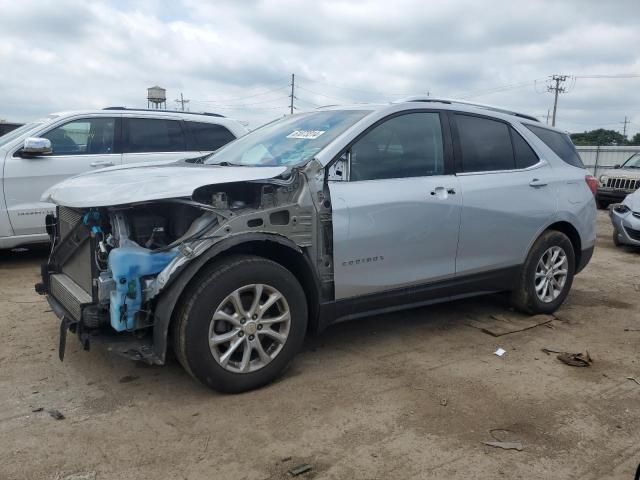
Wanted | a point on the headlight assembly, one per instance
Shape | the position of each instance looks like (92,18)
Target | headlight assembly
(621,208)
(603,180)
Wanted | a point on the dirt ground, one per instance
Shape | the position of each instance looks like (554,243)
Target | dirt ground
(408,395)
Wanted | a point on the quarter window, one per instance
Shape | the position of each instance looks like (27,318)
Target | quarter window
(82,137)
(525,156)
(405,146)
(560,143)
(154,135)
(209,136)
(485,144)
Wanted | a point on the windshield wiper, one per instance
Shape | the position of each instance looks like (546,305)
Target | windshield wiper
(227,164)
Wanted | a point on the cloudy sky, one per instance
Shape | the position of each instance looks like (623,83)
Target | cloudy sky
(236,56)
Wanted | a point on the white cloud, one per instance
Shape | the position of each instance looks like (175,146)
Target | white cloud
(67,54)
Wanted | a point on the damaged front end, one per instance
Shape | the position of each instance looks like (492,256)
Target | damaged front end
(111,267)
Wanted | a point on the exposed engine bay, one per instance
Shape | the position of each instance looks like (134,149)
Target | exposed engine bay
(110,265)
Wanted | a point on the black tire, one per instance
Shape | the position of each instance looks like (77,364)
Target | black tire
(207,291)
(602,204)
(616,238)
(524,297)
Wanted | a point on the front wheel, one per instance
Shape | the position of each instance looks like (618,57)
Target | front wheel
(241,323)
(546,276)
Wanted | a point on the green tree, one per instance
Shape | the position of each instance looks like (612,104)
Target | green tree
(635,140)
(600,136)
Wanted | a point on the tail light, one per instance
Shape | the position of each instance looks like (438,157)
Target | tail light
(592,182)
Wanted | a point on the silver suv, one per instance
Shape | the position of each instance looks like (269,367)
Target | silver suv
(324,216)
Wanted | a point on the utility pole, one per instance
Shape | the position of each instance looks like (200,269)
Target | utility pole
(292,96)
(182,101)
(548,113)
(624,128)
(558,79)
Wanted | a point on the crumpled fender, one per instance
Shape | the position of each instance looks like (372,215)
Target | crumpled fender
(171,293)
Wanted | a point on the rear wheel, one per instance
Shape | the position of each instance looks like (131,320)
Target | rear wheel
(241,324)
(546,277)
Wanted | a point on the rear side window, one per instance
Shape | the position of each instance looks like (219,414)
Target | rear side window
(525,156)
(154,135)
(485,144)
(560,143)
(208,136)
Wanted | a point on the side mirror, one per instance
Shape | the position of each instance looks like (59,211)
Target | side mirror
(34,146)
(617,166)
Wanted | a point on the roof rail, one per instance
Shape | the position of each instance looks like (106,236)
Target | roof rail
(418,98)
(165,111)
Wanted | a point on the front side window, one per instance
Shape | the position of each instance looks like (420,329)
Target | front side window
(154,135)
(404,146)
(485,144)
(291,141)
(560,143)
(208,136)
(83,137)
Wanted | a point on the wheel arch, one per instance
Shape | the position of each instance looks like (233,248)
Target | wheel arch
(271,246)
(571,232)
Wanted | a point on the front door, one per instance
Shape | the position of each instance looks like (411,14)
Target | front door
(396,216)
(78,146)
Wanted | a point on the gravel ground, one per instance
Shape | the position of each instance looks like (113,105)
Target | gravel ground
(408,395)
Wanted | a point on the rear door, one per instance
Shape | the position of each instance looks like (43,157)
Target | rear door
(507,198)
(396,215)
(153,139)
(79,145)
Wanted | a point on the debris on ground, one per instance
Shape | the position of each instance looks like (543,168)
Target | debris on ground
(498,325)
(300,469)
(576,359)
(632,329)
(36,410)
(128,378)
(444,402)
(634,380)
(505,445)
(285,459)
(500,352)
(56,414)
(549,351)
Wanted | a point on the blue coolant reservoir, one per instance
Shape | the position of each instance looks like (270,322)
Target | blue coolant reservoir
(128,265)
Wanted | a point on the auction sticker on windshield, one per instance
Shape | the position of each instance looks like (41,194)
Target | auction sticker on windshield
(308,134)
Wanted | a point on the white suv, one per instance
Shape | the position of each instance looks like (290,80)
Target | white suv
(40,154)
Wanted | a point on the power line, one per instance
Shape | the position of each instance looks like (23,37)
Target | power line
(557,89)
(324,95)
(245,97)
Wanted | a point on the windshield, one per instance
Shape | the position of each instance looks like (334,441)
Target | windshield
(632,162)
(13,134)
(291,141)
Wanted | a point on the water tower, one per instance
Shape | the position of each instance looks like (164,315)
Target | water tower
(156,97)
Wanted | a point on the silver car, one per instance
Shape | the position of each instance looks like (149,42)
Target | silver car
(625,218)
(320,217)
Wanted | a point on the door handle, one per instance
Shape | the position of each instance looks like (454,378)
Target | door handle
(442,192)
(102,163)
(535,183)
